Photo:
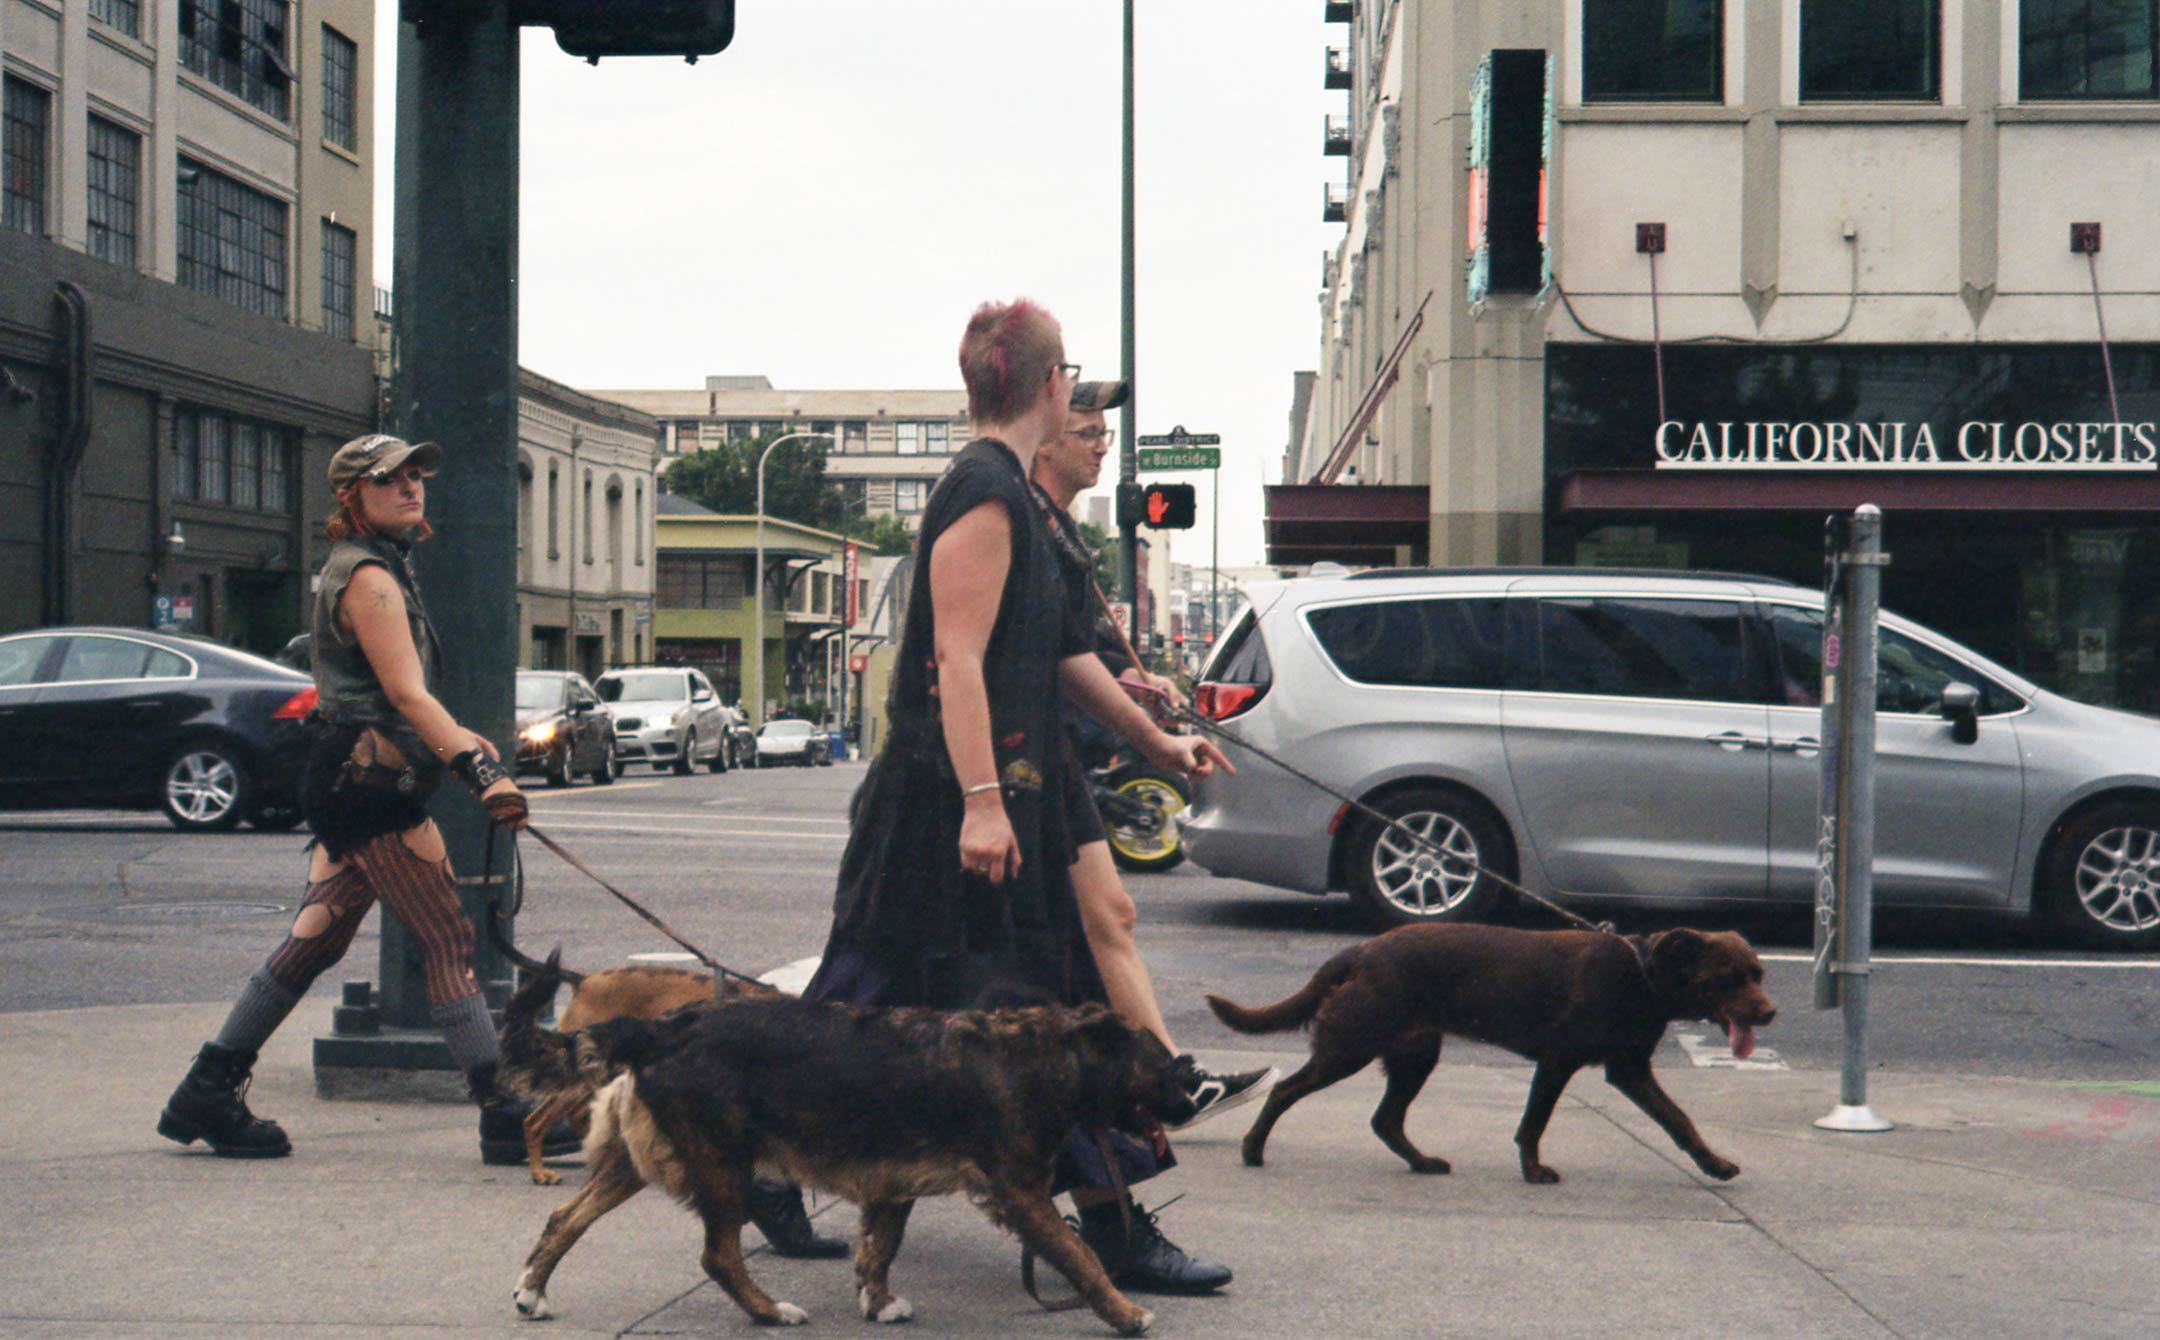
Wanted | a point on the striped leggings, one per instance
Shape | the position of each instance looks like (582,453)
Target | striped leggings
(419,892)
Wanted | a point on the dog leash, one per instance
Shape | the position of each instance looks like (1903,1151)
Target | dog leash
(1124,1202)
(625,899)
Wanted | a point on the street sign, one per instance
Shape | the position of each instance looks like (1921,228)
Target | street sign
(857,664)
(1178,437)
(1190,458)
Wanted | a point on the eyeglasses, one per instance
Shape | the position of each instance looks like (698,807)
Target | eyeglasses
(1071,371)
(1106,436)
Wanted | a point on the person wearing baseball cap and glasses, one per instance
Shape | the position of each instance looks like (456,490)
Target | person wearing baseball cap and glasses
(379,744)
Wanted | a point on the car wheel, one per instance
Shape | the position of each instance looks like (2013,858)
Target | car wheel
(275,818)
(2101,886)
(1135,850)
(557,767)
(205,787)
(610,768)
(685,757)
(719,761)
(1401,882)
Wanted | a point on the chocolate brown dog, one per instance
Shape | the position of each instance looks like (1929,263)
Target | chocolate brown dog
(878,1106)
(1564,999)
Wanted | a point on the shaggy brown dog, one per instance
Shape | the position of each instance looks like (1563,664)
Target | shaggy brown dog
(1564,999)
(640,991)
(880,1107)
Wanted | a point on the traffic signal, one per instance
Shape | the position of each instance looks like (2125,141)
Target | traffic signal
(596,28)
(1167,506)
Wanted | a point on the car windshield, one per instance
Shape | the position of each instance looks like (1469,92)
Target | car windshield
(785,730)
(535,692)
(654,686)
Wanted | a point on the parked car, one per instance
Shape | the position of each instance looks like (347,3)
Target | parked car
(132,719)
(667,716)
(1652,737)
(742,741)
(562,729)
(790,741)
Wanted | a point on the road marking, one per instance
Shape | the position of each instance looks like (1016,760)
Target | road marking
(692,816)
(1716,1054)
(632,831)
(567,794)
(1934,961)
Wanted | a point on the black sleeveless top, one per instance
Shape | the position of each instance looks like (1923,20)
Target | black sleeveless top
(909,925)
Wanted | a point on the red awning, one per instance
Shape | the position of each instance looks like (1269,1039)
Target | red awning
(1584,491)
(1375,525)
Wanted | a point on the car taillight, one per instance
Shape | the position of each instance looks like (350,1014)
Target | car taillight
(1220,702)
(297,706)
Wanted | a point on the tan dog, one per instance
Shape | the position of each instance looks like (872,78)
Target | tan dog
(1564,999)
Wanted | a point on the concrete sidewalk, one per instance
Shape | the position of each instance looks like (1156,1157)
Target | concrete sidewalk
(1998,1207)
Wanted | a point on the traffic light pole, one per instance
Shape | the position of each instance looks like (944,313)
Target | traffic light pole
(1128,423)
(454,381)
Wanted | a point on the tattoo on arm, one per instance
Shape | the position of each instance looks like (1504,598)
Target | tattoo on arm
(382,597)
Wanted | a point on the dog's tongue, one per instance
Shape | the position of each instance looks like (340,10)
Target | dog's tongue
(1742,1038)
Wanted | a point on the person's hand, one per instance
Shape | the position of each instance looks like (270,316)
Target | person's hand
(485,745)
(988,847)
(506,805)
(1161,684)
(1190,755)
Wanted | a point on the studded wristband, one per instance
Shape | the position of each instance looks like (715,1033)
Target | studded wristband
(477,770)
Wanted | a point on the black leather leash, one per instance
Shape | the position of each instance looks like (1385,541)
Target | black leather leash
(1124,1203)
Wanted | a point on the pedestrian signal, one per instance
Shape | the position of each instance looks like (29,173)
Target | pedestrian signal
(1167,506)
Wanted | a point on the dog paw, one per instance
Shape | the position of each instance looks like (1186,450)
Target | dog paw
(544,1177)
(899,1309)
(1137,1325)
(1429,1164)
(1537,1174)
(1722,1169)
(1255,1155)
(786,1314)
(532,1305)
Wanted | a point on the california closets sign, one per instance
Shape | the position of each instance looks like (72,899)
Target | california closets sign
(1977,445)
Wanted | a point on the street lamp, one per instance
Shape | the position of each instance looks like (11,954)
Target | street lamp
(757,574)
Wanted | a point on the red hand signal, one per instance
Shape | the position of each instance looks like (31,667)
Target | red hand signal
(1158,507)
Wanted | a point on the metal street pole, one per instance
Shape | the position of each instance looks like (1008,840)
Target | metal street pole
(1214,599)
(1849,802)
(757,575)
(1128,453)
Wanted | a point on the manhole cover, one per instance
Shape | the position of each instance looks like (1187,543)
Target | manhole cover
(195,910)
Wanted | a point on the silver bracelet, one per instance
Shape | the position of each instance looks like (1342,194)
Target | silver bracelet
(979,788)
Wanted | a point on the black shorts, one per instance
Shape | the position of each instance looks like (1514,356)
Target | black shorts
(1082,821)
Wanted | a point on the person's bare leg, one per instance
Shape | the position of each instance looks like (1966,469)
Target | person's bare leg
(1108,914)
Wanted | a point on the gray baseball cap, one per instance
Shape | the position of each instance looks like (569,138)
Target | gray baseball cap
(378,456)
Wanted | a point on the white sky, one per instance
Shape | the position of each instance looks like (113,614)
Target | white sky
(825,202)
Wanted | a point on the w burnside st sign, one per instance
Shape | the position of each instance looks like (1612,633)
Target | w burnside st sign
(1891,445)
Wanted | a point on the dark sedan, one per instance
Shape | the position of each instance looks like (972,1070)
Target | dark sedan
(563,730)
(131,719)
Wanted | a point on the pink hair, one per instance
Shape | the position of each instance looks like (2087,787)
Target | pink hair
(1006,353)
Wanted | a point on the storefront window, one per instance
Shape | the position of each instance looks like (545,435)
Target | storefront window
(1870,50)
(1653,50)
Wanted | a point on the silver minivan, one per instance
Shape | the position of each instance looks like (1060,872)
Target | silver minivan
(1650,736)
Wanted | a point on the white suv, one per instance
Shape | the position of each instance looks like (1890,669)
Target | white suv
(667,716)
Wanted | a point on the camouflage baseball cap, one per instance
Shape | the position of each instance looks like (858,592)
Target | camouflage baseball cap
(378,456)
(1100,395)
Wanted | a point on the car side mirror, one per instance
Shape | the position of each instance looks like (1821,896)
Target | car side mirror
(1961,708)
(701,696)
(581,709)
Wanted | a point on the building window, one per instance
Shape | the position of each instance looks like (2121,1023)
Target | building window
(337,281)
(218,458)
(938,438)
(2087,49)
(907,495)
(637,527)
(239,45)
(554,510)
(340,89)
(909,439)
(854,438)
(1653,50)
(588,517)
(115,190)
(1870,50)
(24,146)
(692,582)
(232,241)
(126,15)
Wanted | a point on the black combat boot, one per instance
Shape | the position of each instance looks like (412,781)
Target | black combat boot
(209,1106)
(777,1209)
(502,1123)
(1132,1248)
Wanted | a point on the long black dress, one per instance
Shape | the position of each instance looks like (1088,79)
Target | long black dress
(910,926)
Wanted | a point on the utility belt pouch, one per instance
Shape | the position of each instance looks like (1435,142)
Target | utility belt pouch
(477,770)
(376,764)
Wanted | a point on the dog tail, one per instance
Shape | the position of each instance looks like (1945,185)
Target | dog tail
(1294,1011)
(525,961)
(535,1059)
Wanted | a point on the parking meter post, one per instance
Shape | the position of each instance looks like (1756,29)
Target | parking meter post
(1831,786)
(1862,563)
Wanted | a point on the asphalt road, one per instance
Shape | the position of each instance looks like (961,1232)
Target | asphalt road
(114,909)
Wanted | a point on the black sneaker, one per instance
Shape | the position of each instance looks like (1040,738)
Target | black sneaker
(777,1210)
(1140,1259)
(1214,1094)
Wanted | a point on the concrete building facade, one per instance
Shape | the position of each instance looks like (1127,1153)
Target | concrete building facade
(186,209)
(1790,256)
(586,560)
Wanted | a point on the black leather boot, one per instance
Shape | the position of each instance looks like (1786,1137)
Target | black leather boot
(502,1123)
(777,1209)
(209,1106)
(1132,1248)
